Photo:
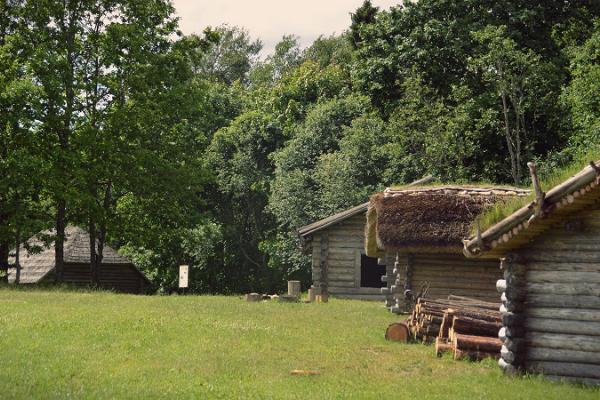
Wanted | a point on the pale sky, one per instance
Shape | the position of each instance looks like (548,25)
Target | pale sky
(269,20)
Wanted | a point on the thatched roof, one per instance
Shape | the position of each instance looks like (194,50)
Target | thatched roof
(38,263)
(571,196)
(429,219)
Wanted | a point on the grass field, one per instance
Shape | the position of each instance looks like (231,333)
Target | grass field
(58,344)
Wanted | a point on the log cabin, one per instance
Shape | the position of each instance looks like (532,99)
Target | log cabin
(549,253)
(339,264)
(418,232)
(38,265)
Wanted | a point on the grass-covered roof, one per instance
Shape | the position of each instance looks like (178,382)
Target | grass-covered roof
(429,218)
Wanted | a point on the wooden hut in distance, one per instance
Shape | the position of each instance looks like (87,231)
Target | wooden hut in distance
(418,231)
(116,272)
(339,263)
(550,257)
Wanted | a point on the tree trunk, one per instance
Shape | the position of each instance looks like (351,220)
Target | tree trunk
(509,141)
(4,250)
(59,253)
(18,256)
(93,257)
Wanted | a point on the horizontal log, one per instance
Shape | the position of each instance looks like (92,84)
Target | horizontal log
(565,369)
(578,289)
(563,326)
(565,301)
(563,341)
(575,314)
(562,355)
(477,343)
(563,277)
(546,255)
(569,266)
(471,326)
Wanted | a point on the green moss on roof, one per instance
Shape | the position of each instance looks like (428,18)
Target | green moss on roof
(503,209)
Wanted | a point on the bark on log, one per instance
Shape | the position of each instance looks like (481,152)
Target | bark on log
(477,343)
(471,326)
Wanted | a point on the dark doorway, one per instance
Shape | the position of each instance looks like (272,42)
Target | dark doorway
(371,272)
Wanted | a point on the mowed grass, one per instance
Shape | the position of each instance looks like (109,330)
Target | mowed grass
(59,344)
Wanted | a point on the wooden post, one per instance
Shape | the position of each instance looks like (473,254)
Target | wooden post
(294,288)
(540,196)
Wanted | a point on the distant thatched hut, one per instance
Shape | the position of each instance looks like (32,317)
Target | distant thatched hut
(422,228)
(339,263)
(116,272)
(550,255)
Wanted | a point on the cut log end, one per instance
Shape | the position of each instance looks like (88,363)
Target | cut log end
(397,332)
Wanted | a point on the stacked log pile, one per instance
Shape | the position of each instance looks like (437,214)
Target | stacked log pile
(466,327)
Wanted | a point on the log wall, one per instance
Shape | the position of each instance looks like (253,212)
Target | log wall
(120,278)
(552,307)
(445,274)
(336,255)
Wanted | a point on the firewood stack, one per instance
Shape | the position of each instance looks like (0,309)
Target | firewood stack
(467,327)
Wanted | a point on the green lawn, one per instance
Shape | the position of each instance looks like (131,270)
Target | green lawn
(58,344)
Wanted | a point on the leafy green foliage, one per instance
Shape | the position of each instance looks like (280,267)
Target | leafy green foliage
(193,150)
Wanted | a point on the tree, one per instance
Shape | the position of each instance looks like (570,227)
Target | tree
(21,166)
(514,75)
(580,97)
(231,56)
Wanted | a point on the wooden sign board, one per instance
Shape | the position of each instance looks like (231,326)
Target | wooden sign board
(183,275)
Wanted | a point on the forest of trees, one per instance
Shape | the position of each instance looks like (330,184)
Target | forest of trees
(196,150)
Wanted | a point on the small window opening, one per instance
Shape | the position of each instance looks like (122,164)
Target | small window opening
(371,272)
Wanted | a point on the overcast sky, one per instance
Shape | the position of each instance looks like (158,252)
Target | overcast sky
(269,20)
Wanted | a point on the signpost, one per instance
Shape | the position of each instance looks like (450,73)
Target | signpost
(183,276)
